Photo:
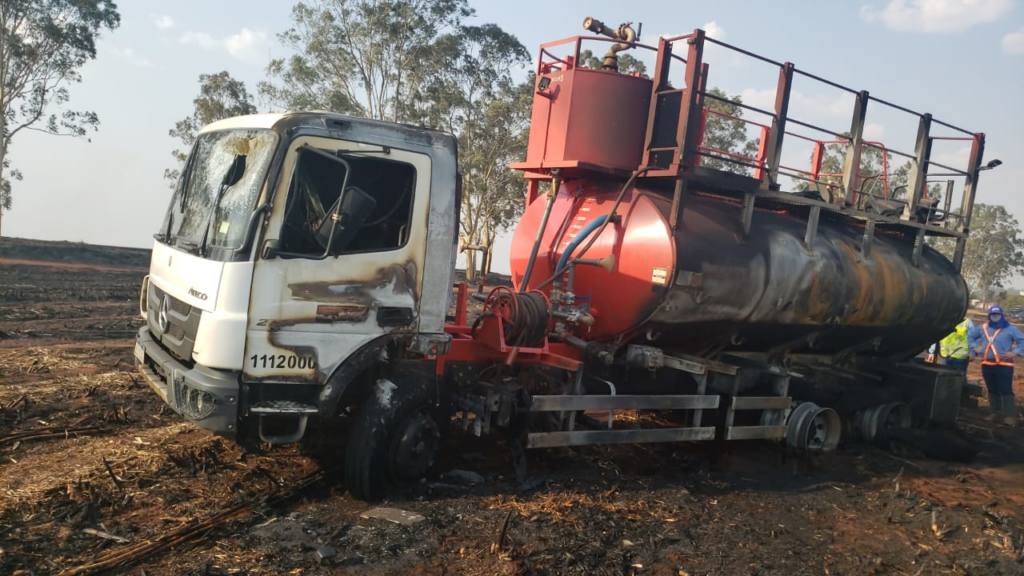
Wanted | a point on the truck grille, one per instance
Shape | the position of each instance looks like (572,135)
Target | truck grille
(178,334)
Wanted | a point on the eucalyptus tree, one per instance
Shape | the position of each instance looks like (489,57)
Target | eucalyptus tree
(43,45)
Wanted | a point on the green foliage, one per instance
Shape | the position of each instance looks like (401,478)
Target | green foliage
(362,57)
(492,192)
(43,44)
(220,96)
(726,133)
(993,254)
(1011,299)
(627,63)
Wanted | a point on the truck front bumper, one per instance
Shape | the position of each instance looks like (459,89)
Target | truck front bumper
(206,396)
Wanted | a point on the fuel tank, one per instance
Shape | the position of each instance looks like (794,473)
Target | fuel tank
(707,287)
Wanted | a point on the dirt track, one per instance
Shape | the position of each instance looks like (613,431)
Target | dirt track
(137,472)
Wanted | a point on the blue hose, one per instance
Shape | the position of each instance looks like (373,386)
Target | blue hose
(563,260)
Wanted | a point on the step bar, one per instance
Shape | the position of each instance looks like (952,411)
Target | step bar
(589,437)
(774,408)
(697,402)
(566,402)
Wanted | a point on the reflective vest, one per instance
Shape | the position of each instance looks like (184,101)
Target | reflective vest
(955,344)
(991,339)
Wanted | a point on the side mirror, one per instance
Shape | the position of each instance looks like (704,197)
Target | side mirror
(356,208)
(346,216)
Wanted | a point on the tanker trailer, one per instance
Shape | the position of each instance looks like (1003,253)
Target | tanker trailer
(304,274)
(649,257)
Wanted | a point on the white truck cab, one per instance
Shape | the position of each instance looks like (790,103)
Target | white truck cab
(297,249)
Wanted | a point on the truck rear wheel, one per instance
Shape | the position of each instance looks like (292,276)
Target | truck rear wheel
(395,438)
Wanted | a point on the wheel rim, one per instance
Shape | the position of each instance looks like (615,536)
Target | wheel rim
(818,433)
(813,428)
(879,421)
(416,445)
(898,417)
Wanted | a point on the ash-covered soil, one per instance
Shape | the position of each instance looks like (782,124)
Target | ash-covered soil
(96,476)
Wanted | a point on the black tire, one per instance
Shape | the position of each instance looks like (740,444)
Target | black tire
(399,416)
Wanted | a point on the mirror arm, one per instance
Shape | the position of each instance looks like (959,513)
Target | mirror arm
(337,210)
(250,228)
(341,196)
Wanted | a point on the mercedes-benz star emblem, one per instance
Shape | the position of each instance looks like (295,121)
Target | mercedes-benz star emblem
(162,317)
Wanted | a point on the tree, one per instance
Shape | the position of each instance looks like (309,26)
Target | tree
(725,130)
(220,96)
(362,57)
(993,253)
(627,63)
(492,191)
(43,44)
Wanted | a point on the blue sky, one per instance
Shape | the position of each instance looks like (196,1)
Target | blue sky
(962,60)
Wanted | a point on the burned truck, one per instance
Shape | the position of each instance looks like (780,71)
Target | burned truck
(305,274)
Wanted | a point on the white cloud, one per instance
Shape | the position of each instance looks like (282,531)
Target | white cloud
(200,39)
(808,108)
(130,56)
(1013,42)
(713,30)
(957,158)
(935,15)
(246,44)
(162,21)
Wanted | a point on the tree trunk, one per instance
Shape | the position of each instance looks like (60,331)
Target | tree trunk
(486,265)
(470,265)
(3,155)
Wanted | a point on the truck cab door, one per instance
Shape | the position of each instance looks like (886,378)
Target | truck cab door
(341,260)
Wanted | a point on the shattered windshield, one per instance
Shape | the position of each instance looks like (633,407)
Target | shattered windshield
(217,190)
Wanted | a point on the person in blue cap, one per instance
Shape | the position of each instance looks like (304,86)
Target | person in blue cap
(998,343)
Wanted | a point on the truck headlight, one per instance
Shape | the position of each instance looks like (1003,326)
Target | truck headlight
(144,297)
(196,404)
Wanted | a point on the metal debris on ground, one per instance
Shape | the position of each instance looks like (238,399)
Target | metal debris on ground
(324,553)
(466,477)
(396,515)
(106,535)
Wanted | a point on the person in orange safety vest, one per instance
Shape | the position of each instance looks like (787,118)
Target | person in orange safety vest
(997,343)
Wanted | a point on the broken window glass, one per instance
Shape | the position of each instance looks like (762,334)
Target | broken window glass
(219,188)
(374,216)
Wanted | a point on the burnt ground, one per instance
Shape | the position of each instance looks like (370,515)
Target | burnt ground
(95,474)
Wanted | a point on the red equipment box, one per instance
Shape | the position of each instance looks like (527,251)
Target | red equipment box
(587,119)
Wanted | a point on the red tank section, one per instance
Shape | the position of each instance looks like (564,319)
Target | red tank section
(641,244)
(585,118)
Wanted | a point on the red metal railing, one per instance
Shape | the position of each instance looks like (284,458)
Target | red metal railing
(552,61)
(690,146)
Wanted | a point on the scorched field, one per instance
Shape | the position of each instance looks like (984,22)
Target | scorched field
(96,476)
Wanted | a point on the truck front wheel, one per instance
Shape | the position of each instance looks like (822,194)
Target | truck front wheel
(395,438)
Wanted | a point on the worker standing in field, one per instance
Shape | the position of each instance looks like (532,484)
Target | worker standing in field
(954,348)
(997,343)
